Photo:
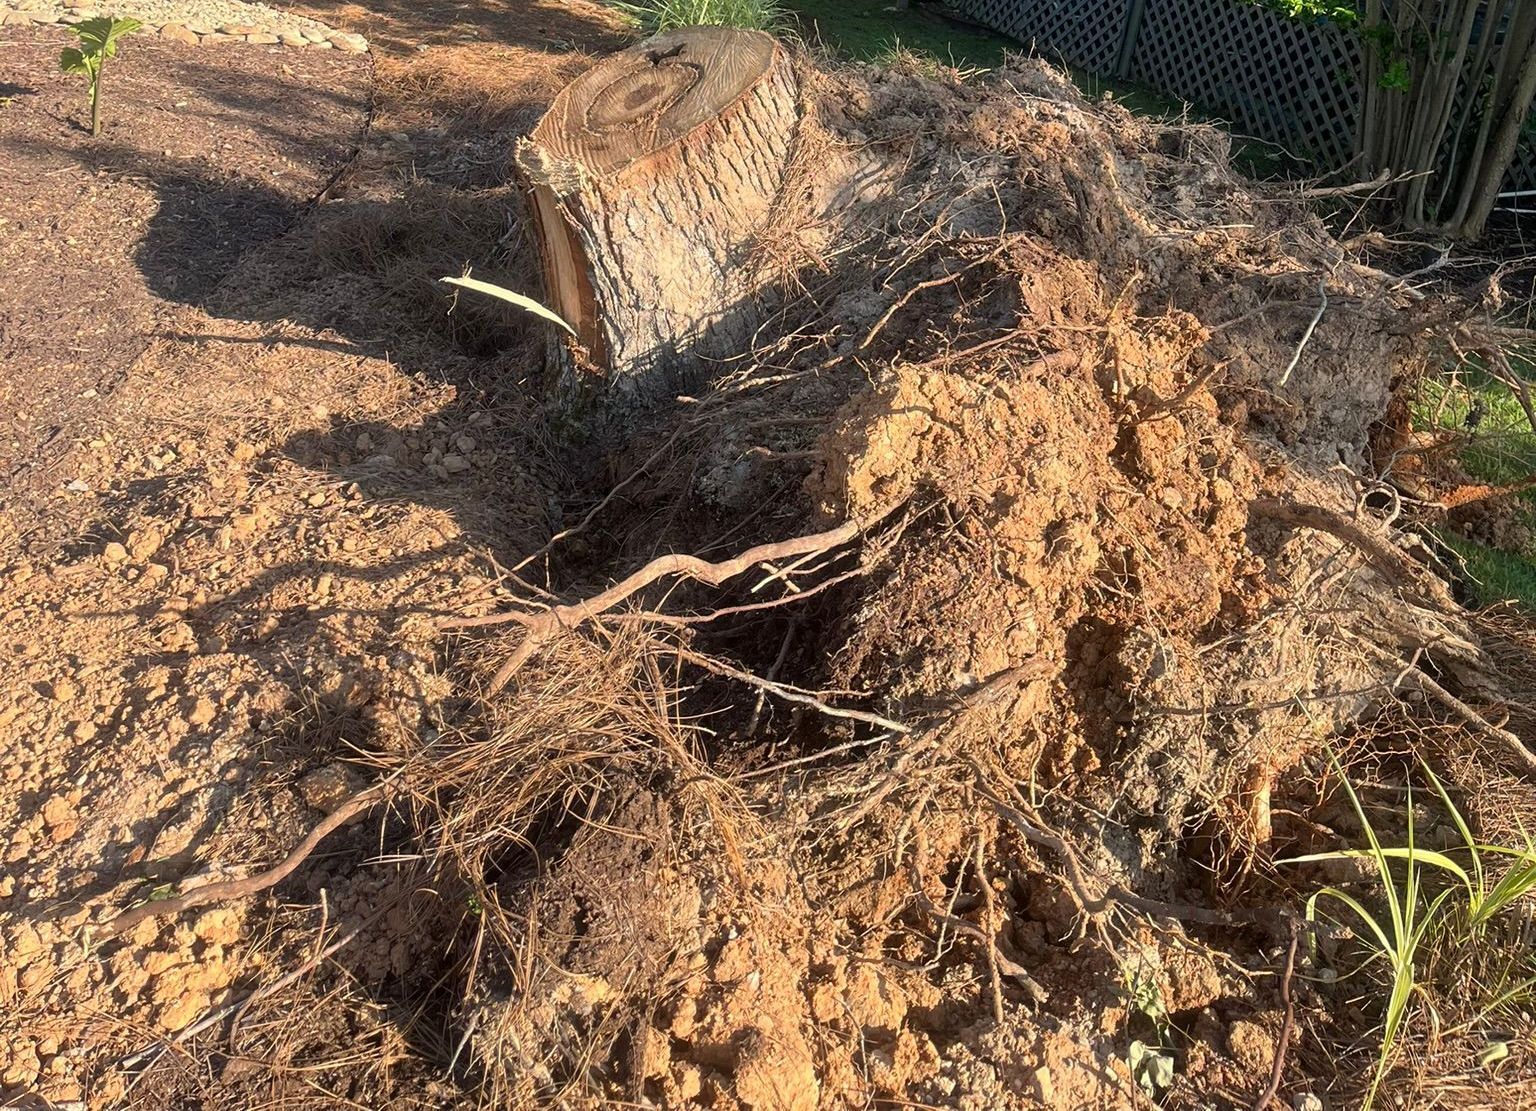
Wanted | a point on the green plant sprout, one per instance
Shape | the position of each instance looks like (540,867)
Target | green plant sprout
(1151,1062)
(98,42)
(1459,913)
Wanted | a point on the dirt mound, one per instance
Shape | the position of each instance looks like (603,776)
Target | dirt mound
(1053,358)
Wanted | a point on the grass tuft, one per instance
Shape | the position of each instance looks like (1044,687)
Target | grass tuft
(1434,908)
(656,16)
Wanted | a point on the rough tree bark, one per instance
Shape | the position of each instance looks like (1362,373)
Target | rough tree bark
(651,178)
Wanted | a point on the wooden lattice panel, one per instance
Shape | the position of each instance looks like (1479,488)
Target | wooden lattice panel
(1285,80)
(1085,33)
(1277,78)
(1522,173)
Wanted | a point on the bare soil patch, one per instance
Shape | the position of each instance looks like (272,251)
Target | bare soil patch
(203,158)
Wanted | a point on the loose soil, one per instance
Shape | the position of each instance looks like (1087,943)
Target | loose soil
(202,158)
(1039,358)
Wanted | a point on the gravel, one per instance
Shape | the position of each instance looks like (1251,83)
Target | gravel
(194,22)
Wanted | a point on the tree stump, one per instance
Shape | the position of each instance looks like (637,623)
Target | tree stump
(651,178)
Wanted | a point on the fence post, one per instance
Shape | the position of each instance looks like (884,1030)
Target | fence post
(1129,39)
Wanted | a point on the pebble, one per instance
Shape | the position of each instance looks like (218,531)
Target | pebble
(326,788)
(175,32)
(202,712)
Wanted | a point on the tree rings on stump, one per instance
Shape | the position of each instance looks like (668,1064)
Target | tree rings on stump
(651,177)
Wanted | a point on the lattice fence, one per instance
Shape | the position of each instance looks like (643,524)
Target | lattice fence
(1283,80)
(1086,33)
(1279,79)
(1522,173)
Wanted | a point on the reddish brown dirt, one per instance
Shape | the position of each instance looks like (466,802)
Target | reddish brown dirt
(621,880)
(204,156)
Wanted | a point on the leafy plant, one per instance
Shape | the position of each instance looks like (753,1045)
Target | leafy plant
(98,42)
(666,15)
(1329,11)
(1400,933)
(1151,1062)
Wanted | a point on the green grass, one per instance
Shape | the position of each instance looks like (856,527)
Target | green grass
(1428,908)
(1499,451)
(1495,576)
(665,15)
(868,31)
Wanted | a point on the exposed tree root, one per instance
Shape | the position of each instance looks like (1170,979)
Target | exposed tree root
(239,889)
(543,626)
(1277,1071)
(1426,683)
(1096,904)
(1378,550)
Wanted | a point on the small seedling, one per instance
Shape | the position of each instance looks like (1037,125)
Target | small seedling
(98,42)
(1151,1062)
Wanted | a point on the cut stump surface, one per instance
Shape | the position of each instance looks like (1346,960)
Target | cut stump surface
(651,177)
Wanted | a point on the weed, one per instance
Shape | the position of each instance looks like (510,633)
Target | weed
(98,42)
(1416,920)
(1151,1062)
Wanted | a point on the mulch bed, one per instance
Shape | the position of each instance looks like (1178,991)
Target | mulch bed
(204,155)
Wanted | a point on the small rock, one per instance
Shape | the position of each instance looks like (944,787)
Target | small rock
(313,35)
(189,821)
(115,553)
(316,500)
(24,944)
(202,713)
(322,45)
(326,788)
(176,32)
(1251,1045)
(65,689)
(293,38)
(464,442)
(262,38)
(144,543)
(197,27)
(179,637)
(455,464)
(237,29)
(182,1011)
(218,38)
(59,819)
(13,19)
(44,17)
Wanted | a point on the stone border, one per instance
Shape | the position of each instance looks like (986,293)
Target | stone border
(193,33)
